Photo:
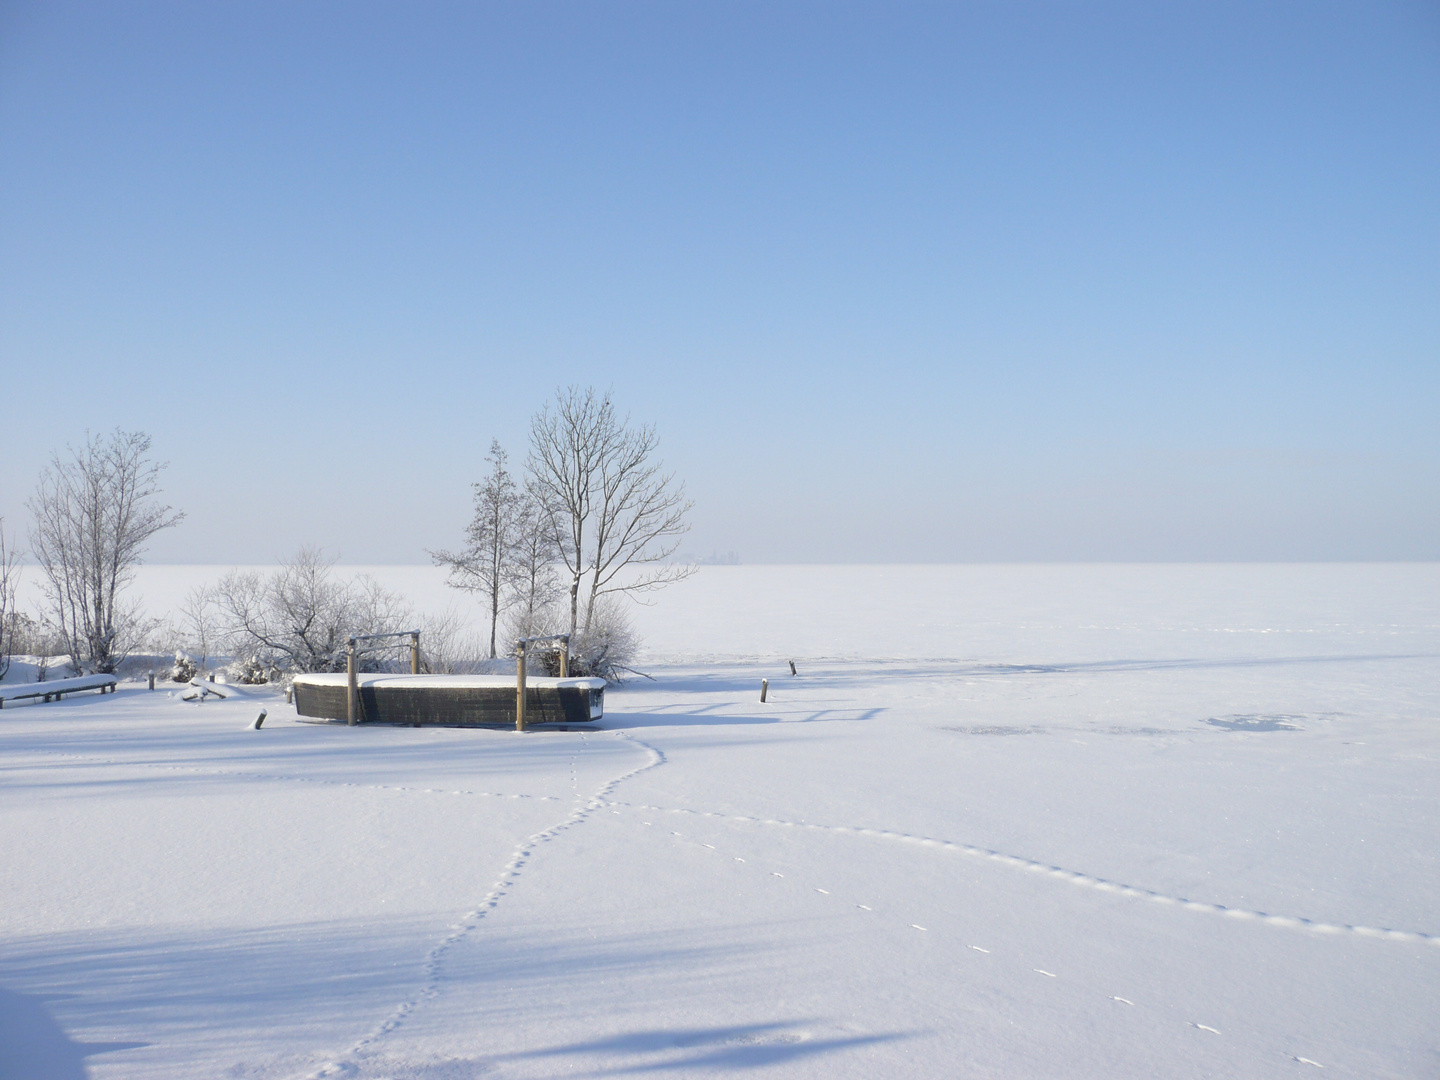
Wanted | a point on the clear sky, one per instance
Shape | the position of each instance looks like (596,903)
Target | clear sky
(895,282)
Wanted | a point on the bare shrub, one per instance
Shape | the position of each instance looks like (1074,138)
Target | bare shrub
(199,625)
(34,640)
(606,651)
(25,636)
(447,647)
(300,618)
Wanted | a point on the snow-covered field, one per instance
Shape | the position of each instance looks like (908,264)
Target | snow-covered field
(1144,821)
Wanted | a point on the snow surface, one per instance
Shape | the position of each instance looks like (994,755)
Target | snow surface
(1006,821)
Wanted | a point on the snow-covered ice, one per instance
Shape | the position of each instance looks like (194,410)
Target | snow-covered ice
(1006,821)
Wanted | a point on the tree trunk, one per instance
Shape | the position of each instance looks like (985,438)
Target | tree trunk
(590,605)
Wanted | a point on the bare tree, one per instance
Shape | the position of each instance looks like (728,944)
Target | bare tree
(94,512)
(9,617)
(640,517)
(566,446)
(615,516)
(484,566)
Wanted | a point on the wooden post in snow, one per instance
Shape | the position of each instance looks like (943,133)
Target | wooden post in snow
(520,686)
(352,691)
(564,656)
(415,653)
(764,686)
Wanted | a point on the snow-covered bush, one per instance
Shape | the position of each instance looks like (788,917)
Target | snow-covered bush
(249,671)
(184,668)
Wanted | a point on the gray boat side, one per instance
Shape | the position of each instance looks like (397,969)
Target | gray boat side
(450,700)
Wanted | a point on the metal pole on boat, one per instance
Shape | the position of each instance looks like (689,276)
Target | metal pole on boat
(520,686)
(415,652)
(350,682)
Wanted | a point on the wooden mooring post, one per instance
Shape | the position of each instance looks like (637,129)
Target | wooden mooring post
(764,688)
(520,686)
(415,653)
(352,692)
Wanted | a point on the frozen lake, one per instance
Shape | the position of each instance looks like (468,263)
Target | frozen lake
(1059,821)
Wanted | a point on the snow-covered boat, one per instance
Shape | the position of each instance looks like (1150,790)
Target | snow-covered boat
(451,700)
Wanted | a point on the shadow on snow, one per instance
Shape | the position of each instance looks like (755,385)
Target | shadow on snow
(35,1046)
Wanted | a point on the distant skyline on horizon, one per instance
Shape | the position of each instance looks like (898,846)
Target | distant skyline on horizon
(945,283)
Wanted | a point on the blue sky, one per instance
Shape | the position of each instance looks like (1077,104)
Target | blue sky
(895,283)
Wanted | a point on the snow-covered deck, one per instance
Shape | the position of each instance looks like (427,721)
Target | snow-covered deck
(448,682)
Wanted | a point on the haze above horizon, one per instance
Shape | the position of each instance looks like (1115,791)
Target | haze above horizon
(936,283)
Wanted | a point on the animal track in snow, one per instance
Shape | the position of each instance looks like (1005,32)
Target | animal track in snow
(1079,985)
(1292,922)
(280,777)
(472,919)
